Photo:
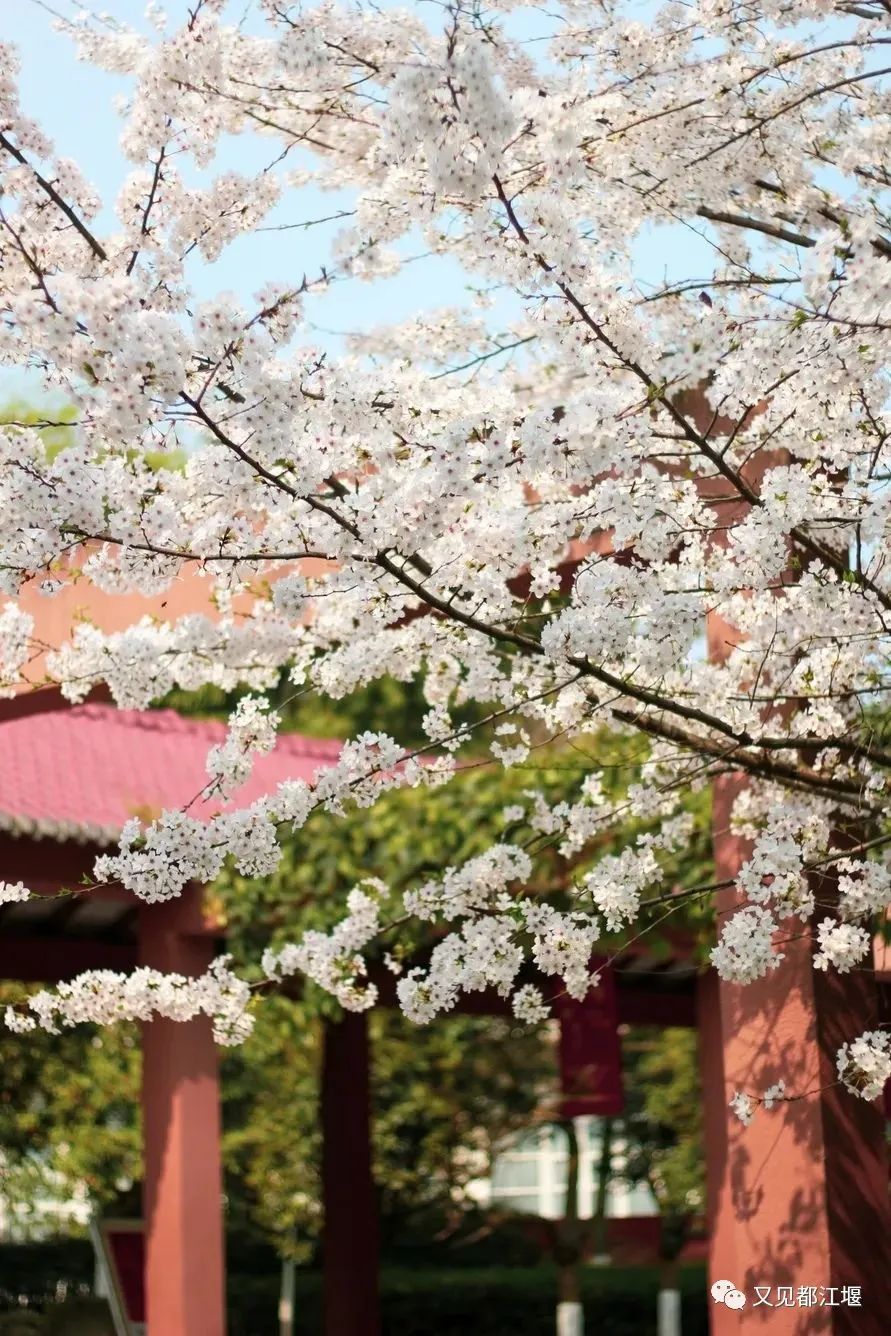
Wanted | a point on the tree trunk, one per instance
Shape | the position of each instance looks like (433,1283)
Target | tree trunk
(286,1299)
(604,1173)
(570,1315)
(669,1301)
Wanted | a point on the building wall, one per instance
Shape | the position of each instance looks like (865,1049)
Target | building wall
(530,1176)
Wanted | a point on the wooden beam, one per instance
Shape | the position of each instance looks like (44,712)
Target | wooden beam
(350,1241)
(43,700)
(36,959)
(45,866)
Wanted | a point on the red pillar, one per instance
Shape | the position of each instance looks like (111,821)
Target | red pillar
(799,1197)
(351,1233)
(183,1203)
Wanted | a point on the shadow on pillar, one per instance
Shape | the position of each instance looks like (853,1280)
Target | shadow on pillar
(800,1198)
(351,1237)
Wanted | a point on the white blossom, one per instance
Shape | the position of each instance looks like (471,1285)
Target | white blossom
(864,1064)
(529,1006)
(774,1094)
(16,627)
(103,997)
(842,945)
(743,1106)
(745,950)
(12,892)
(252,729)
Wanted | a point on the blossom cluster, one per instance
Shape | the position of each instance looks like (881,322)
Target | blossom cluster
(864,1064)
(12,892)
(16,628)
(103,997)
(334,961)
(744,1106)
(252,730)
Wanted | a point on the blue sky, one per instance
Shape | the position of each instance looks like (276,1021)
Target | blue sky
(74,103)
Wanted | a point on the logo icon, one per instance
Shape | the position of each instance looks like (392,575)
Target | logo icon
(725,1292)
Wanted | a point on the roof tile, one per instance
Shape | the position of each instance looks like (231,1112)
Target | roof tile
(82,772)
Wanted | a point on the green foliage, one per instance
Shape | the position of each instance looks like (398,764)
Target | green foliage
(23,1323)
(56,426)
(395,707)
(444,1101)
(35,1273)
(663,1127)
(55,437)
(79,1317)
(521,1302)
(271,1133)
(68,1114)
(497,1301)
(442,1097)
(491,1301)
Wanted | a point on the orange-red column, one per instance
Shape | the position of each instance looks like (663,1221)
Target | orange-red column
(183,1204)
(798,1200)
(798,1203)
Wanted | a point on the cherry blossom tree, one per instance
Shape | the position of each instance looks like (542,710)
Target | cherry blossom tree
(539,523)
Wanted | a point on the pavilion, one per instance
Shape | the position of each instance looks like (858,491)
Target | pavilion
(70,777)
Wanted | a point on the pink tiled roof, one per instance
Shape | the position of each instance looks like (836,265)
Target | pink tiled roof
(80,773)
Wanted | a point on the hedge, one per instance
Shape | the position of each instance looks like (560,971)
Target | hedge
(36,1274)
(442,1301)
(491,1301)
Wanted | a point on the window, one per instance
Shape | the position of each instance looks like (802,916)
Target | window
(530,1175)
